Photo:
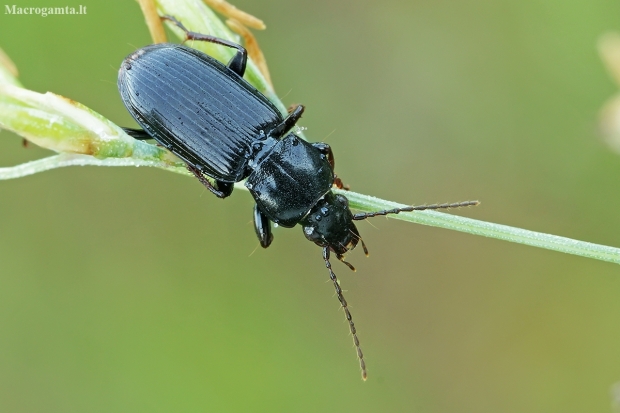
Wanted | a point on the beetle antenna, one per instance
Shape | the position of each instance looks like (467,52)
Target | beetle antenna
(345,307)
(364,215)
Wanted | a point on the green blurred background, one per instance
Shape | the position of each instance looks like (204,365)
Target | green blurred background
(135,290)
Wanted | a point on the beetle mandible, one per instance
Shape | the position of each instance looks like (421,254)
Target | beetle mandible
(222,127)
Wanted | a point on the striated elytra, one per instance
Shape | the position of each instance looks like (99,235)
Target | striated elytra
(222,127)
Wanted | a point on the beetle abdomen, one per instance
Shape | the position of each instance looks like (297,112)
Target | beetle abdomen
(197,107)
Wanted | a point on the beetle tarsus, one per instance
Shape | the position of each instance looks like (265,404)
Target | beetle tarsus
(223,190)
(239,60)
(339,184)
(139,134)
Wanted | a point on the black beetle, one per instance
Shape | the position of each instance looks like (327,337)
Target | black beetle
(205,113)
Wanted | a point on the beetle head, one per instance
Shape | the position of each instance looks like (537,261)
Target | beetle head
(330,224)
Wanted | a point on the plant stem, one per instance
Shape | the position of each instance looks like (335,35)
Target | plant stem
(360,202)
(71,159)
(368,203)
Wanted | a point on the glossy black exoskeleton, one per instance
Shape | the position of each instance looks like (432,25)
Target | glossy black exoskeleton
(222,127)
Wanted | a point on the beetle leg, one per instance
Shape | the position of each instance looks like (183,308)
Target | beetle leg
(326,150)
(289,122)
(347,313)
(139,134)
(262,226)
(364,215)
(339,184)
(223,189)
(239,60)
(251,45)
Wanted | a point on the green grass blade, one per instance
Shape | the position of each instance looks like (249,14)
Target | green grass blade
(368,203)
